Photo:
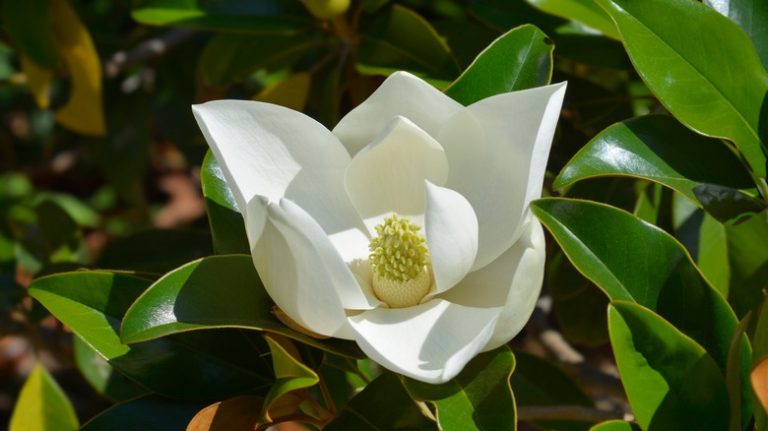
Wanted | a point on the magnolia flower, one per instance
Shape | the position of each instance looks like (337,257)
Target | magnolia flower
(406,228)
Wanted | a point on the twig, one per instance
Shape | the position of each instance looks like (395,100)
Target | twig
(145,50)
(566,413)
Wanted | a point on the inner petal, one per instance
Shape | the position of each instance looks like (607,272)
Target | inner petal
(387,176)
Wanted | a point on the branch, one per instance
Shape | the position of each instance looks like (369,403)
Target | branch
(145,50)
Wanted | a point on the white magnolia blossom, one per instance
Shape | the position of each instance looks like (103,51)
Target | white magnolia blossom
(406,228)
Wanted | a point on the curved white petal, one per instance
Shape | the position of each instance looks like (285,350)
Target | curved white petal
(388,175)
(272,151)
(430,342)
(497,151)
(451,231)
(400,94)
(302,271)
(513,280)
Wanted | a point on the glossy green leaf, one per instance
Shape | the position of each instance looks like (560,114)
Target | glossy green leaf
(615,425)
(290,373)
(634,261)
(383,405)
(732,375)
(146,414)
(42,405)
(658,148)
(671,381)
(752,16)
(401,39)
(538,383)
(698,85)
(279,16)
(586,12)
(199,365)
(25,21)
(103,377)
(155,251)
(519,59)
(480,397)
(231,58)
(226,222)
(183,301)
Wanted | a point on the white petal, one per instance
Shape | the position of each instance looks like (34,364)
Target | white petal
(497,150)
(388,175)
(272,151)
(430,342)
(451,231)
(513,280)
(401,94)
(303,273)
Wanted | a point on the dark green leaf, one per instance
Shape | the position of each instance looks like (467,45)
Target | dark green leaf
(480,397)
(698,85)
(401,39)
(537,382)
(213,292)
(102,376)
(27,21)
(42,405)
(752,16)
(226,222)
(197,365)
(519,59)
(155,251)
(671,381)
(230,58)
(635,261)
(507,14)
(384,405)
(145,414)
(658,148)
(732,375)
(586,12)
(276,16)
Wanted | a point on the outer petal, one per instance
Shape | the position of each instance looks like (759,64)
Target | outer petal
(451,231)
(388,175)
(302,271)
(430,342)
(513,280)
(271,151)
(401,94)
(497,150)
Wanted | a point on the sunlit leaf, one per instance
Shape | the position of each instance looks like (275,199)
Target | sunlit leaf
(42,405)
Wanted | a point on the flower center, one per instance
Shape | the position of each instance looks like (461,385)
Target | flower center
(400,262)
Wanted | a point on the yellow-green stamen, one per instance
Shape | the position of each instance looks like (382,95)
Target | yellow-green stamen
(400,262)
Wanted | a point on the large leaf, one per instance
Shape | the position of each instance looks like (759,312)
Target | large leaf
(42,405)
(658,148)
(383,405)
(200,365)
(538,383)
(214,292)
(586,12)
(634,261)
(401,39)
(103,377)
(274,16)
(146,414)
(230,58)
(25,21)
(519,59)
(752,16)
(226,222)
(699,86)
(671,381)
(480,397)
(615,425)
